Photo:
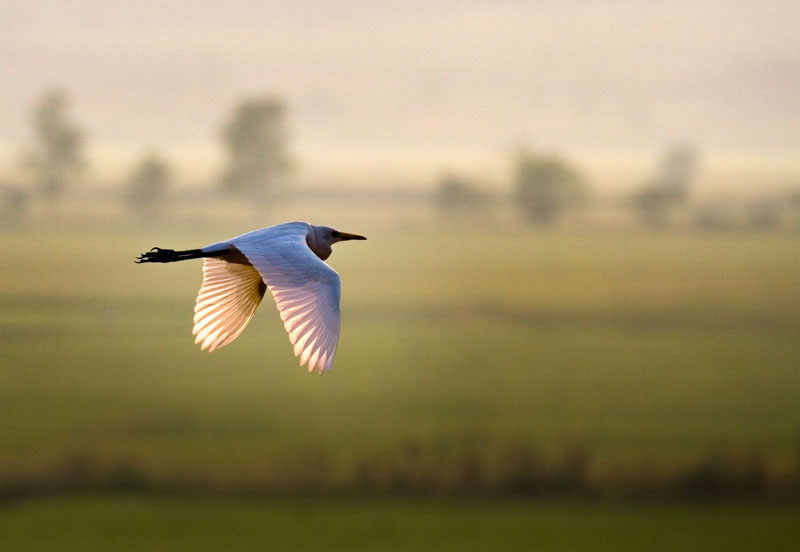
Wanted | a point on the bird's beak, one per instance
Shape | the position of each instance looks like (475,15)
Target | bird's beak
(344,236)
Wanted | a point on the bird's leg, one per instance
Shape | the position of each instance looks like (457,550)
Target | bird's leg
(158,255)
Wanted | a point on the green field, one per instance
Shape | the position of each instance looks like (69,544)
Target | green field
(472,360)
(350,524)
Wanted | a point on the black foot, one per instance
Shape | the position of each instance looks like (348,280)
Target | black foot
(158,255)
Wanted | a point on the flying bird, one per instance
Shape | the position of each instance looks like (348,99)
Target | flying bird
(287,259)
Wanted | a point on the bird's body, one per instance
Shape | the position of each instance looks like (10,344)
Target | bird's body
(288,260)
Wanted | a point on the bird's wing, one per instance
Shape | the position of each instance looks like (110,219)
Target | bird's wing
(227,300)
(306,291)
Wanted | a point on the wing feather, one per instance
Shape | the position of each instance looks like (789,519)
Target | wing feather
(227,300)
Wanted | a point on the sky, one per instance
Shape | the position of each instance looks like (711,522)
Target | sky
(371,84)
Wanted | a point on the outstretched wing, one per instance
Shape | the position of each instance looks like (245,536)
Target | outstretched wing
(226,302)
(306,290)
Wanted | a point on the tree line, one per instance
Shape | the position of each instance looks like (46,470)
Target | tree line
(545,188)
(254,138)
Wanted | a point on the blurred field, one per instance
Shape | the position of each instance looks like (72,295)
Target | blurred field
(656,343)
(473,360)
(400,524)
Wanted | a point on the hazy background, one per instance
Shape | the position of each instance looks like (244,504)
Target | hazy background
(574,326)
(379,92)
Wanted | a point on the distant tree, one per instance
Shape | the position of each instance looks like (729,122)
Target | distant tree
(455,193)
(765,215)
(668,189)
(57,156)
(548,186)
(149,182)
(14,202)
(256,141)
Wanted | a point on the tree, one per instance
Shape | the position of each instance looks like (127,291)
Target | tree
(547,186)
(668,189)
(455,193)
(14,203)
(148,182)
(255,139)
(57,156)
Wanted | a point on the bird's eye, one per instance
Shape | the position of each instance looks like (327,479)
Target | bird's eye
(335,234)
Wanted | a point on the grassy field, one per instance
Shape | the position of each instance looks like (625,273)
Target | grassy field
(471,359)
(353,524)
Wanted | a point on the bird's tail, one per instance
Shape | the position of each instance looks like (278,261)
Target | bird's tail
(158,255)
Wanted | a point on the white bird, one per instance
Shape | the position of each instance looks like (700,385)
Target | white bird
(287,259)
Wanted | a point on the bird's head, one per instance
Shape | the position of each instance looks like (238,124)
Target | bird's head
(321,238)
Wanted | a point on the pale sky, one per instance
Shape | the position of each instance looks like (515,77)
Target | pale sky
(368,80)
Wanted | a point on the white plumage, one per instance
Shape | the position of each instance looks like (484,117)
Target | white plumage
(287,259)
(226,302)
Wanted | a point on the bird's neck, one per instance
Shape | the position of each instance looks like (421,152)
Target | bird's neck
(321,252)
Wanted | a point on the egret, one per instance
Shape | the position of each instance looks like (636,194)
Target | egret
(287,259)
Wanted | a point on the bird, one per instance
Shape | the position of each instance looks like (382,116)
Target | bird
(288,259)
